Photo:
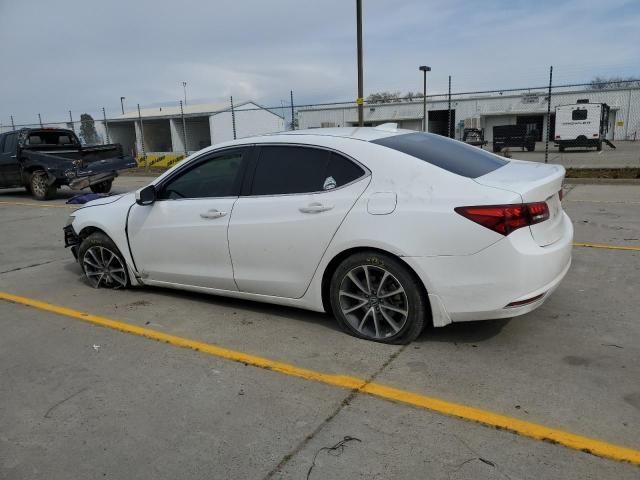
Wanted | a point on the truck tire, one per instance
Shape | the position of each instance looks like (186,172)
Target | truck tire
(102,187)
(39,186)
(599,146)
(561,148)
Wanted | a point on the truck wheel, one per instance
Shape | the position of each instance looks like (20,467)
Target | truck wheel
(599,146)
(39,186)
(102,187)
(561,148)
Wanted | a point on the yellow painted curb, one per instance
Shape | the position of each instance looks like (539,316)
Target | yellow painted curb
(521,427)
(607,247)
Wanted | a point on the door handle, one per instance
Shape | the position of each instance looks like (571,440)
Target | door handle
(315,207)
(213,213)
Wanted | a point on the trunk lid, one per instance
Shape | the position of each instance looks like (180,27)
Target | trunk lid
(534,182)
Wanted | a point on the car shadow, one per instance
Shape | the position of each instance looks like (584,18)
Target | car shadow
(464,332)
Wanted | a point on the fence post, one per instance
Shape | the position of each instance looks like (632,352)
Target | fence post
(146,162)
(13,125)
(40,120)
(184,130)
(106,124)
(546,145)
(449,111)
(293,123)
(233,118)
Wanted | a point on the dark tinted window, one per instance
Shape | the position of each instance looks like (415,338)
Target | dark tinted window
(579,115)
(451,155)
(216,177)
(10,143)
(285,170)
(342,171)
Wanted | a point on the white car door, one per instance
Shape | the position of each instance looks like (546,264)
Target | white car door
(181,238)
(280,230)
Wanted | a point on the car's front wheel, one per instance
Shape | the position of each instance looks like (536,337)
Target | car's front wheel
(40,187)
(376,297)
(102,262)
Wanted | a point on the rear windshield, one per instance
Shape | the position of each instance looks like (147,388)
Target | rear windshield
(51,137)
(451,155)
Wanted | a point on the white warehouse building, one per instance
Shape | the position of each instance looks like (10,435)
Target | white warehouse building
(161,130)
(484,111)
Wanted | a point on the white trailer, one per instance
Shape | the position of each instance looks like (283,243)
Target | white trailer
(582,124)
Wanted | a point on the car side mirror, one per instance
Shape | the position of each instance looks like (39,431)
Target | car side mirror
(146,195)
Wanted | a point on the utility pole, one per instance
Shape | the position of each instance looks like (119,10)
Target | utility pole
(106,124)
(424,69)
(449,114)
(233,119)
(546,145)
(71,122)
(184,130)
(40,120)
(293,115)
(146,163)
(13,125)
(122,104)
(360,99)
(184,87)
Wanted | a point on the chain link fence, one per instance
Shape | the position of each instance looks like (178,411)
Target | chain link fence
(594,124)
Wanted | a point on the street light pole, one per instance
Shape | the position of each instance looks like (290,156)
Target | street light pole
(424,69)
(122,104)
(360,100)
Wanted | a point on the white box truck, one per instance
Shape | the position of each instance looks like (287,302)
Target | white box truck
(582,124)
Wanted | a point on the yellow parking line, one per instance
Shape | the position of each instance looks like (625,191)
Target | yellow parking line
(495,420)
(608,247)
(42,205)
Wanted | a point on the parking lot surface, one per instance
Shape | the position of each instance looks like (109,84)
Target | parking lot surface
(80,401)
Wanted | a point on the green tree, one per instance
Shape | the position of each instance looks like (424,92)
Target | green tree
(88,132)
(604,83)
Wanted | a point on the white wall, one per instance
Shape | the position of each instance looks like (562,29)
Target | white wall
(249,122)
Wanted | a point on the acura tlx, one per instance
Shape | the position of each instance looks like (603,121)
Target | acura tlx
(389,230)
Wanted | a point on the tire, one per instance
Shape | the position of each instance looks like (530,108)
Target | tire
(102,263)
(39,186)
(377,315)
(102,187)
(531,148)
(599,147)
(561,149)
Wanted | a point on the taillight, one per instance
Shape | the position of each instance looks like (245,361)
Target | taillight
(504,219)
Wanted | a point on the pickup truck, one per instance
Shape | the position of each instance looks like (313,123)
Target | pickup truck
(44,159)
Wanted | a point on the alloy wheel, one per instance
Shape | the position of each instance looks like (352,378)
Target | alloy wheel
(39,185)
(104,268)
(373,301)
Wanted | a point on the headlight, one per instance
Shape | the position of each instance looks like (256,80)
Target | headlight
(70,220)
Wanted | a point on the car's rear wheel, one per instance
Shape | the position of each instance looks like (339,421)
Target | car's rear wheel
(39,185)
(102,187)
(102,262)
(376,297)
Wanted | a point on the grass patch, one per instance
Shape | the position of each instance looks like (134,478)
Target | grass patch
(613,173)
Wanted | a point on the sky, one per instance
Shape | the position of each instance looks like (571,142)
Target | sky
(82,55)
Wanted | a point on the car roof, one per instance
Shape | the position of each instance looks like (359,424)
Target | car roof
(366,134)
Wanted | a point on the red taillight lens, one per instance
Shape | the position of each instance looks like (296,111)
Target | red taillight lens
(504,219)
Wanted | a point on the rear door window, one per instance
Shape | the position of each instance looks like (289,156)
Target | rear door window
(450,155)
(284,170)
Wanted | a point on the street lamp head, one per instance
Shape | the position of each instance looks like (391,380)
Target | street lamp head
(424,68)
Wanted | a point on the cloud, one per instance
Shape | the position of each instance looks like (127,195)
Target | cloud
(82,55)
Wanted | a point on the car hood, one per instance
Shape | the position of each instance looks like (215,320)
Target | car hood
(107,200)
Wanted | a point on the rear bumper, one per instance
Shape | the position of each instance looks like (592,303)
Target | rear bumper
(83,182)
(480,286)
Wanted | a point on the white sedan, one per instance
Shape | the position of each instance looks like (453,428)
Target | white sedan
(387,229)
